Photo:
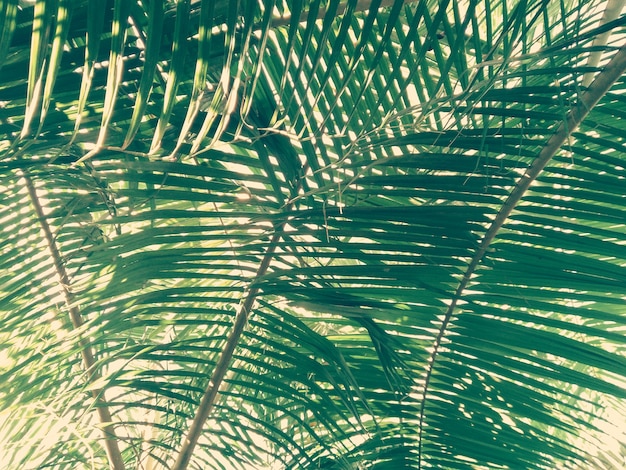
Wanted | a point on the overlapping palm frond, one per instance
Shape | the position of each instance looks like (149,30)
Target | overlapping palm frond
(320,234)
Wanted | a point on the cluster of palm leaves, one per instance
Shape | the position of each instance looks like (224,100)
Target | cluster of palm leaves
(313,234)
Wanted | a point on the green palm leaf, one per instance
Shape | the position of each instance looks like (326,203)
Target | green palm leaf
(315,234)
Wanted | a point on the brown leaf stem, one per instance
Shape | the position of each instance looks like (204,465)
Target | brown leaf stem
(590,98)
(223,363)
(104,415)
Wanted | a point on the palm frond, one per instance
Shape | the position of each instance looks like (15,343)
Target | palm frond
(317,234)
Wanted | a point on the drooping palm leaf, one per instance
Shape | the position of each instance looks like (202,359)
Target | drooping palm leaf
(322,234)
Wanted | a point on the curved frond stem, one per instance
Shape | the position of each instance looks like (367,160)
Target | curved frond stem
(114,455)
(221,368)
(611,12)
(590,98)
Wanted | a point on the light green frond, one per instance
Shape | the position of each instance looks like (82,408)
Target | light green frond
(312,234)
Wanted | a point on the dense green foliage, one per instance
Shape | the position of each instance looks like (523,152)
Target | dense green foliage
(327,235)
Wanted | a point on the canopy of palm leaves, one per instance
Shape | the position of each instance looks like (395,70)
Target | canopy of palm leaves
(312,234)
